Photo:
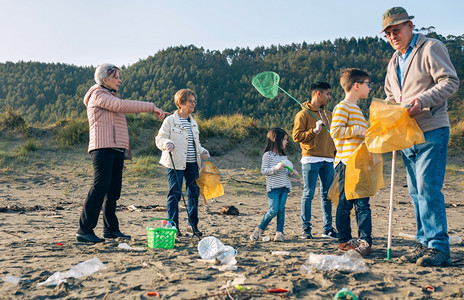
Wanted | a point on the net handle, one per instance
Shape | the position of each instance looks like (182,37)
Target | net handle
(303,107)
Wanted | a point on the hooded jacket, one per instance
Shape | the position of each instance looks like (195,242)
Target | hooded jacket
(107,119)
(430,76)
(319,145)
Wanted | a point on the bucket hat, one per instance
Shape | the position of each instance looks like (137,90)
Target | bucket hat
(394,16)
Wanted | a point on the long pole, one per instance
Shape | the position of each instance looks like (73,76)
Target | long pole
(390,217)
(326,128)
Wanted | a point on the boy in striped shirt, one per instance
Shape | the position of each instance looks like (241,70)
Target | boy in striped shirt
(347,130)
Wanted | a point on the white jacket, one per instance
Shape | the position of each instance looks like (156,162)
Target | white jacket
(172,131)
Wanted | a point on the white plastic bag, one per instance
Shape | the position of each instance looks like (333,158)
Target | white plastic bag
(350,261)
(83,269)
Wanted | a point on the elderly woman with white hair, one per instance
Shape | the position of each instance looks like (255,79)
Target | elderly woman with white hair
(108,144)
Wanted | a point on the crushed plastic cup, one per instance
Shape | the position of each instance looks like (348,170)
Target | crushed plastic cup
(350,261)
(227,255)
(210,247)
(266,238)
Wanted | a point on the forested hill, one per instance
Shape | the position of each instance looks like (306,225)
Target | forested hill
(222,79)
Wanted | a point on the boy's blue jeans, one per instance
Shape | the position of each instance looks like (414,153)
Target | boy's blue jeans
(190,174)
(362,209)
(324,171)
(277,199)
(426,164)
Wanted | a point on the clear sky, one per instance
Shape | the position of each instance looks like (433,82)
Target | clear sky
(90,32)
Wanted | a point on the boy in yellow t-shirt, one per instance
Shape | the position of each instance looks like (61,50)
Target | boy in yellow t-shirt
(347,130)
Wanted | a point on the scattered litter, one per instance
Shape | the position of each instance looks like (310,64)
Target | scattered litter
(223,268)
(430,288)
(153,294)
(237,281)
(133,208)
(406,235)
(280,252)
(82,269)
(241,287)
(229,210)
(345,293)
(277,291)
(210,247)
(125,246)
(453,239)
(350,261)
(266,238)
(12,279)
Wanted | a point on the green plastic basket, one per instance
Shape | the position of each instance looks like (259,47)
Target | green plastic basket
(266,83)
(159,237)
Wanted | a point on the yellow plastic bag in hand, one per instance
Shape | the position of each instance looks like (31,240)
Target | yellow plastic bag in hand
(391,128)
(208,181)
(363,174)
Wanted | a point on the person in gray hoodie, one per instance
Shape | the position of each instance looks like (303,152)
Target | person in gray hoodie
(421,76)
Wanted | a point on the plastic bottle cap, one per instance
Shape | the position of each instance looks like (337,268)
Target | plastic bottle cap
(164,222)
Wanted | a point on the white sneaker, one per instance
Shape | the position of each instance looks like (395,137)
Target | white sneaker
(256,234)
(279,237)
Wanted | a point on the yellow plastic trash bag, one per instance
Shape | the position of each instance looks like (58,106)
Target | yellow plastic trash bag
(363,174)
(391,128)
(208,181)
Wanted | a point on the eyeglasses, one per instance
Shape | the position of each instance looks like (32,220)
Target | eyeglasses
(369,83)
(192,101)
(395,31)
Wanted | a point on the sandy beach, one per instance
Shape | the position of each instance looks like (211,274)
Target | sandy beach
(40,207)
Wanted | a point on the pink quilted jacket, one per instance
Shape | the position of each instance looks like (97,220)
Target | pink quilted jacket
(107,119)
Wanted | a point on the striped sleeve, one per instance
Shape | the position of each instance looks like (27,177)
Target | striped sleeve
(274,179)
(347,122)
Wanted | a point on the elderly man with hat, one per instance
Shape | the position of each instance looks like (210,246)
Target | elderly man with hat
(421,76)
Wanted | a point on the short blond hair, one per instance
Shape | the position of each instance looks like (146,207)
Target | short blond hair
(351,76)
(182,96)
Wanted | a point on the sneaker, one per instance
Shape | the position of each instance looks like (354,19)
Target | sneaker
(279,237)
(416,253)
(434,257)
(256,234)
(347,246)
(363,248)
(306,235)
(331,234)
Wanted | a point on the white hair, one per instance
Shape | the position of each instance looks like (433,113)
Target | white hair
(103,71)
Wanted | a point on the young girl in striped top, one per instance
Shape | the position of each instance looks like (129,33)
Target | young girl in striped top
(347,130)
(276,167)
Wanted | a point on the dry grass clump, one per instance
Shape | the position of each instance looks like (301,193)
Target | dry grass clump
(235,127)
(456,141)
(70,132)
(12,121)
